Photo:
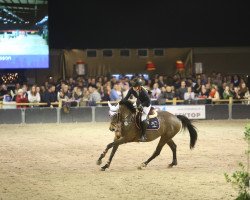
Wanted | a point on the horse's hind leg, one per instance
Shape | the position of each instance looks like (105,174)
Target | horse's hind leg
(157,152)
(172,146)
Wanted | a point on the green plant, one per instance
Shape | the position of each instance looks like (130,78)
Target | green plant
(241,179)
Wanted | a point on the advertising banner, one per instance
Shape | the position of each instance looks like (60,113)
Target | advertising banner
(190,111)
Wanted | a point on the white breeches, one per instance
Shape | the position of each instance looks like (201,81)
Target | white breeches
(145,113)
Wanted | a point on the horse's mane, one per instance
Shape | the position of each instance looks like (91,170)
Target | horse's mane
(128,104)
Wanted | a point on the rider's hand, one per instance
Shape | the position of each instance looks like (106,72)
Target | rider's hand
(140,108)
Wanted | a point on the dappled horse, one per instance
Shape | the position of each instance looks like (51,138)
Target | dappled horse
(123,122)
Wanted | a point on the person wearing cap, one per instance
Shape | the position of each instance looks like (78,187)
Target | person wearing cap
(143,103)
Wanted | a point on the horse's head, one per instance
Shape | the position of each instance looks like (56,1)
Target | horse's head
(114,116)
(120,114)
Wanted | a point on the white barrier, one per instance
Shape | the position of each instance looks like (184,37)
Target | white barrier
(190,111)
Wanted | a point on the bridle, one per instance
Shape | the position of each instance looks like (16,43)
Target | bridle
(128,119)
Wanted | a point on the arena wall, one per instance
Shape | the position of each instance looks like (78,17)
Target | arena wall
(229,60)
(100,114)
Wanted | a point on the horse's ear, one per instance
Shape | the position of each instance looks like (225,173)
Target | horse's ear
(113,108)
(117,107)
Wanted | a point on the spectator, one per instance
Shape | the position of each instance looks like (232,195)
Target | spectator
(156,91)
(125,89)
(231,87)
(222,89)
(204,94)
(203,79)
(113,81)
(71,84)
(33,95)
(176,81)
(229,79)
(92,82)
(236,94)
(116,94)
(242,90)
(190,82)
(161,82)
(189,96)
(227,93)
(236,81)
(38,90)
(247,96)
(181,91)
(209,80)
(25,89)
(65,96)
(106,93)
(218,80)
(99,87)
(14,93)
(208,87)
(84,100)
(166,95)
(197,87)
(21,98)
(214,94)
(94,96)
(7,97)
(76,96)
(49,95)
(3,91)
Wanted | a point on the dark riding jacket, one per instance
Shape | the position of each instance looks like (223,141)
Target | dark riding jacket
(143,97)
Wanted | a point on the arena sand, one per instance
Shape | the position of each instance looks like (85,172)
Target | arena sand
(58,161)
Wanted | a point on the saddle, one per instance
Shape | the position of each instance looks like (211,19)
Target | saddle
(152,114)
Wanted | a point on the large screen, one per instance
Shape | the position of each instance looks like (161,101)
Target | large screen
(24,34)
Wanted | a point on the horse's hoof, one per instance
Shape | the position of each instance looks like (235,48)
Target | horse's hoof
(98,162)
(142,166)
(172,164)
(102,169)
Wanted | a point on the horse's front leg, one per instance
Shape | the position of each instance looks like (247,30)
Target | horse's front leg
(115,146)
(99,161)
(110,158)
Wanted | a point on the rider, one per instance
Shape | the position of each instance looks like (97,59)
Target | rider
(143,103)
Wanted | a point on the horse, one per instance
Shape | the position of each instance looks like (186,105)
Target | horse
(123,122)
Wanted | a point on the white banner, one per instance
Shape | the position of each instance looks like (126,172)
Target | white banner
(190,111)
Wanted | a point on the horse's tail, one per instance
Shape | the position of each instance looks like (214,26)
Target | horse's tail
(186,123)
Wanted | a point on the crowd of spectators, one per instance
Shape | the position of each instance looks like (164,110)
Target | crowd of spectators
(93,90)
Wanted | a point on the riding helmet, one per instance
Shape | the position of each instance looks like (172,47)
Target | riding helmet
(137,82)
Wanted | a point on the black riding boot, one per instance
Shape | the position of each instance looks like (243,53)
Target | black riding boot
(144,125)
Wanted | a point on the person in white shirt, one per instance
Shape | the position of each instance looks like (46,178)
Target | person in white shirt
(156,91)
(189,95)
(33,95)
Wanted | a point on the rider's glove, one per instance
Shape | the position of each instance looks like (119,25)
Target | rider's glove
(140,108)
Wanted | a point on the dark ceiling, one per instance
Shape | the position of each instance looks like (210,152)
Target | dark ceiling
(133,24)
